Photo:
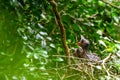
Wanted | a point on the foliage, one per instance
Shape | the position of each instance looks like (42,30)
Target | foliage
(31,46)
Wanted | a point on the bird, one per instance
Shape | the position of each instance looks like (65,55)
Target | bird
(78,52)
(83,52)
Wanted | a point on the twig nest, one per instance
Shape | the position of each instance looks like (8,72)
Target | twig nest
(93,57)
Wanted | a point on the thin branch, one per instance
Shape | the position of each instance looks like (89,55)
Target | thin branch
(104,61)
(53,30)
(110,4)
(62,30)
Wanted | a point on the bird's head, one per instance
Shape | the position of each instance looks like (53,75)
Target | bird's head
(84,43)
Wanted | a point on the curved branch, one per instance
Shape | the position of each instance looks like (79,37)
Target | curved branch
(62,29)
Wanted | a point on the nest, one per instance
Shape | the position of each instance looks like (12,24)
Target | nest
(86,69)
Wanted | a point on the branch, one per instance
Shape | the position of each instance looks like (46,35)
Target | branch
(62,30)
(104,61)
(110,4)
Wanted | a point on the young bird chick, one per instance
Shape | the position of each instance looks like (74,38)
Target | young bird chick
(83,53)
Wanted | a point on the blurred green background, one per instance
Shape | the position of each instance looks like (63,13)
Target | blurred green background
(29,37)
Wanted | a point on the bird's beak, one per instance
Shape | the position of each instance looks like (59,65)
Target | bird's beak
(78,43)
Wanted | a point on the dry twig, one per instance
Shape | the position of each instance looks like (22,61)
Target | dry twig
(104,61)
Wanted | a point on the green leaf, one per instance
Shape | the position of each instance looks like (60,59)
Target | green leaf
(102,43)
(58,60)
(99,67)
(116,17)
(118,46)
(99,32)
(76,27)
